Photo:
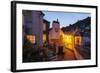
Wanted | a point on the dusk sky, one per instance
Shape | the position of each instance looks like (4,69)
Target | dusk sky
(65,18)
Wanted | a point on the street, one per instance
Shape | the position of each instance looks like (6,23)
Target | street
(67,55)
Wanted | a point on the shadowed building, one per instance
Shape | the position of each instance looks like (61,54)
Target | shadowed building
(33,26)
(34,29)
(46,25)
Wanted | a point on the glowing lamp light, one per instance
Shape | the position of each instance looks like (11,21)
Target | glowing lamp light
(68,38)
(68,41)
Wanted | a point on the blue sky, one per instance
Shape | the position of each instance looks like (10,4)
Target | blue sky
(65,18)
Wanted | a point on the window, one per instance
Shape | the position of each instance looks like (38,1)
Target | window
(31,38)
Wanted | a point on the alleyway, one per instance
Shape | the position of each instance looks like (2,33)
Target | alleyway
(67,55)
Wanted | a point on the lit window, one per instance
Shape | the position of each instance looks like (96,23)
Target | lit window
(44,37)
(77,40)
(31,38)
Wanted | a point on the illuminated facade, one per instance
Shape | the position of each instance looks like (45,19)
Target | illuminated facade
(68,41)
(72,39)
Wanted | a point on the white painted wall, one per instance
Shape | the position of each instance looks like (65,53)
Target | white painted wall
(5,36)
